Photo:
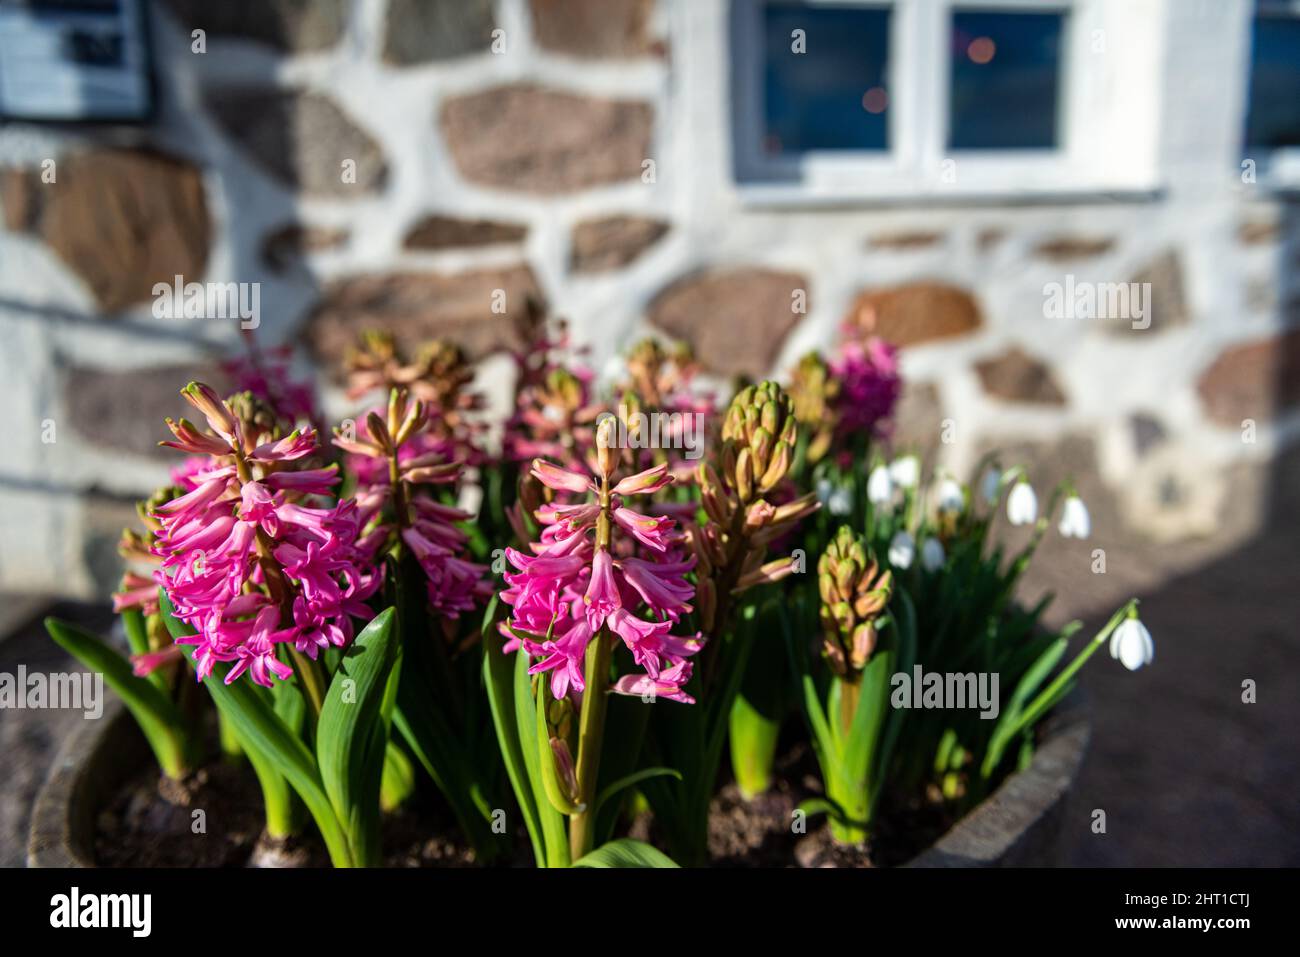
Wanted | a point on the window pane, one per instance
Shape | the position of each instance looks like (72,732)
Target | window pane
(1274,105)
(1005,80)
(832,95)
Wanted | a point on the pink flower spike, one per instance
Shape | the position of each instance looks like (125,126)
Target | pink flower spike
(602,598)
(668,685)
(293,446)
(562,480)
(309,481)
(145,664)
(648,530)
(643,483)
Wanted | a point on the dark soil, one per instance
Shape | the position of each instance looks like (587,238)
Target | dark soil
(149,824)
(762,832)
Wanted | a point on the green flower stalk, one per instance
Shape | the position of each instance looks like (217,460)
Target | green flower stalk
(853,727)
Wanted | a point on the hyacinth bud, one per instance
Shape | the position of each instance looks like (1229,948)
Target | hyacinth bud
(378,431)
(854,593)
(607,445)
(206,400)
(760,427)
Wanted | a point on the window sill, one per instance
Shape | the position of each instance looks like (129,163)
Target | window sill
(792,196)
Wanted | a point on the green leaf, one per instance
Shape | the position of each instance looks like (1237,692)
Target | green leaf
(636,777)
(625,852)
(260,728)
(554,836)
(175,627)
(162,725)
(499,673)
(350,735)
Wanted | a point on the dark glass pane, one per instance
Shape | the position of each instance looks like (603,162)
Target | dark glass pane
(1274,105)
(1005,80)
(833,95)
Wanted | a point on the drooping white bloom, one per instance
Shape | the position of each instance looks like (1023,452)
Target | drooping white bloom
(837,499)
(1022,504)
(932,555)
(905,471)
(950,497)
(880,487)
(902,549)
(1131,644)
(1075,522)
(991,486)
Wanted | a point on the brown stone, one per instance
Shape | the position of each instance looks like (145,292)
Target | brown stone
(1255,380)
(297,26)
(288,244)
(593,29)
(916,312)
(903,242)
(543,141)
(1018,377)
(988,239)
(302,139)
(1166,304)
(123,410)
(448,232)
(122,220)
(1066,248)
(1258,232)
(613,241)
(918,419)
(734,320)
(422,31)
(418,307)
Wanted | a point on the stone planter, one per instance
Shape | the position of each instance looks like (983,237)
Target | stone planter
(1021,823)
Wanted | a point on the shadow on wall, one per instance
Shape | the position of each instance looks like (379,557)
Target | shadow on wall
(1195,760)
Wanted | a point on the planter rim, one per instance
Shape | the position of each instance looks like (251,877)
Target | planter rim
(1003,828)
(1013,823)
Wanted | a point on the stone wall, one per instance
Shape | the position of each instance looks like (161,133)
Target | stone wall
(427,165)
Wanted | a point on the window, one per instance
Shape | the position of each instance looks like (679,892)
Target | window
(834,99)
(1006,80)
(1273,107)
(843,100)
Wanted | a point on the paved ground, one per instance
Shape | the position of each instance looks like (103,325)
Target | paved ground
(1186,773)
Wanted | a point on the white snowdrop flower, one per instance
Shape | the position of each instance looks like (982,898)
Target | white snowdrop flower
(1022,504)
(950,497)
(1075,522)
(1131,644)
(880,487)
(905,471)
(902,549)
(991,486)
(932,555)
(836,499)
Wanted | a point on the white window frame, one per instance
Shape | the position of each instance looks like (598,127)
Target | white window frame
(1107,112)
(1276,168)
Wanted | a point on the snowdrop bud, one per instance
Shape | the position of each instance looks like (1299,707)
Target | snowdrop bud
(880,487)
(905,471)
(950,496)
(932,555)
(991,486)
(902,549)
(1075,522)
(1022,504)
(1131,644)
